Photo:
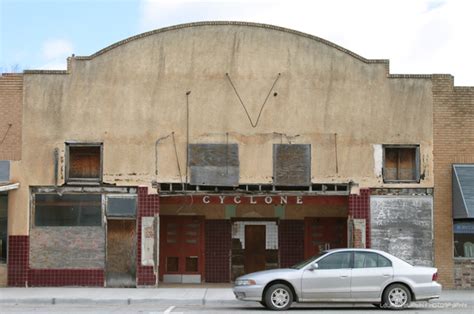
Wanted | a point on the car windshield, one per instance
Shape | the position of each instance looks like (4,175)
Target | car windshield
(309,260)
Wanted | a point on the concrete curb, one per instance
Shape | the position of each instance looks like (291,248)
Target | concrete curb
(84,301)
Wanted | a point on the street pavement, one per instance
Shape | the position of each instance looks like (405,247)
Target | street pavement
(206,298)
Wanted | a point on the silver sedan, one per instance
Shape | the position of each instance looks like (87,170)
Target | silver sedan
(342,275)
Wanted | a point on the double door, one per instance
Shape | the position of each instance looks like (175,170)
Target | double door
(182,249)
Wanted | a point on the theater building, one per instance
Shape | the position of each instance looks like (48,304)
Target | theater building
(199,152)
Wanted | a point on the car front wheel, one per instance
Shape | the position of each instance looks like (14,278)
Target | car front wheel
(278,297)
(396,297)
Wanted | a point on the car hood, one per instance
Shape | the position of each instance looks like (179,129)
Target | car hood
(271,272)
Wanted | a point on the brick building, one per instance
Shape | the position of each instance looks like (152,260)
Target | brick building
(453,135)
(203,151)
(11,96)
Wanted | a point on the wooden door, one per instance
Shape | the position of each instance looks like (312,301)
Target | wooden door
(254,253)
(323,233)
(121,253)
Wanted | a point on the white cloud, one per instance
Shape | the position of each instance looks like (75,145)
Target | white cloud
(417,36)
(55,52)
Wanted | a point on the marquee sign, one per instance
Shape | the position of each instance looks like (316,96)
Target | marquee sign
(253,200)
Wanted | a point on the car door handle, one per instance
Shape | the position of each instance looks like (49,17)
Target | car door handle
(344,276)
(386,275)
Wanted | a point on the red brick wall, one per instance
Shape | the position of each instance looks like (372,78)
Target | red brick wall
(148,206)
(291,242)
(218,241)
(11,104)
(359,207)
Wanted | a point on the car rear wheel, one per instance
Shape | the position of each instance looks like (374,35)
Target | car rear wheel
(278,297)
(396,297)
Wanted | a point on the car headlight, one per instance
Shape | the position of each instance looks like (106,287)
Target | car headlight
(245,282)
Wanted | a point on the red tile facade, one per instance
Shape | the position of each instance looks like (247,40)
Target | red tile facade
(291,242)
(65,277)
(18,257)
(20,274)
(218,241)
(148,206)
(359,208)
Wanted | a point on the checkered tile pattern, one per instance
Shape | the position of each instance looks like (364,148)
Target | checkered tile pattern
(148,206)
(291,236)
(65,277)
(217,249)
(18,257)
(359,207)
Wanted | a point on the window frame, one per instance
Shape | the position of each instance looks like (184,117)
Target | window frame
(466,220)
(417,162)
(33,211)
(120,196)
(72,180)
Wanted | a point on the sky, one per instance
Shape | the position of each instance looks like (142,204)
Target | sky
(417,36)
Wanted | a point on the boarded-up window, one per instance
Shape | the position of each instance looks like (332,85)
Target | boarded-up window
(401,163)
(214,164)
(84,162)
(292,164)
(68,210)
(121,205)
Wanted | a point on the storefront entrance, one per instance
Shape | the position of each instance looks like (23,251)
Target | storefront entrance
(182,249)
(254,253)
(324,233)
(254,245)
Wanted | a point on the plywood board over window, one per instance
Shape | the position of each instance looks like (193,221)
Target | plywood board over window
(292,164)
(214,164)
(83,162)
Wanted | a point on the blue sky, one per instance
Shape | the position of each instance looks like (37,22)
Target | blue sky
(417,36)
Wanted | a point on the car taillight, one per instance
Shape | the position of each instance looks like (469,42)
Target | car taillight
(435,277)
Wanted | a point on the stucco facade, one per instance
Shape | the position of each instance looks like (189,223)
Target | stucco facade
(149,97)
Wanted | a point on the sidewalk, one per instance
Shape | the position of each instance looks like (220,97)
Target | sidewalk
(166,294)
(169,294)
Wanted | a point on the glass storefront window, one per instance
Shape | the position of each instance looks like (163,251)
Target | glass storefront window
(68,210)
(463,238)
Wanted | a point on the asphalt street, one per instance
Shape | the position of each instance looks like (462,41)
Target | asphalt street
(244,307)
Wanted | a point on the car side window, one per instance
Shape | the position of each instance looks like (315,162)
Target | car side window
(365,260)
(370,260)
(336,261)
(383,261)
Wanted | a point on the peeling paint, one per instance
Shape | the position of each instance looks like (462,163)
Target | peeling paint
(378,160)
(402,226)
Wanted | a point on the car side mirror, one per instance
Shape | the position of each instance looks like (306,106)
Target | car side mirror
(314,266)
